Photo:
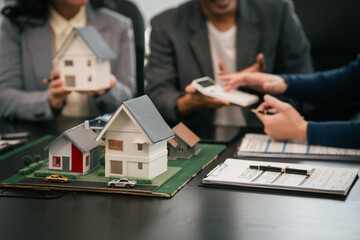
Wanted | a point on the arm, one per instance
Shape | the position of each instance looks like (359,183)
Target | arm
(17,99)
(163,86)
(340,85)
(336,134)
(124,70)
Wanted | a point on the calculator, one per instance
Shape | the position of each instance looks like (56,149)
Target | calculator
(211,88)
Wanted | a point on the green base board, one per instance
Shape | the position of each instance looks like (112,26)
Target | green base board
(180,172)
(190,167)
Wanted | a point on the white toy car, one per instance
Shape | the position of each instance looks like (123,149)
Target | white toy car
(122,182)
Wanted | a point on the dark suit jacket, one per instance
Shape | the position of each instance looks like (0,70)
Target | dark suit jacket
(180,50)
(26,59)
(339,86)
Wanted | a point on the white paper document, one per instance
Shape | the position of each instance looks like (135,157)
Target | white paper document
(263,146)
(235,172)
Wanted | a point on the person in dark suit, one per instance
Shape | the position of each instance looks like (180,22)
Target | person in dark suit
(332,87)
(31,33)
(202,37)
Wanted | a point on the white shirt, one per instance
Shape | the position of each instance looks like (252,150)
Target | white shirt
(223,46)
(77,105)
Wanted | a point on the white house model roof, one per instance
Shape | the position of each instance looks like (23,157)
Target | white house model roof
(147,116)
(93,40)
(82,138)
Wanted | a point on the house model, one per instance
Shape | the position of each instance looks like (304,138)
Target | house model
(136,140)
(83,60)
(184,145)
(75,151)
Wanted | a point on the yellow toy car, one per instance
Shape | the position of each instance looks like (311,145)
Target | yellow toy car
(56,178)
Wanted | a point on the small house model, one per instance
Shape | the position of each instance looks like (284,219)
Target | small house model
(83,60)
(184,145)
(75,151)
(135,140)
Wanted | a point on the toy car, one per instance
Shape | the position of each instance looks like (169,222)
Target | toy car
(56,178)
(122,182)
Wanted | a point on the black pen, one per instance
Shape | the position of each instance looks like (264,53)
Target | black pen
(48,80)
(266,112)
(282,170)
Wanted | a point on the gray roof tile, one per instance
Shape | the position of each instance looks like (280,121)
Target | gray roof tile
(95,42)
(82,138)
(149,118)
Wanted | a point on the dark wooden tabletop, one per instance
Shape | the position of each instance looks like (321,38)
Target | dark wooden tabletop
(193,213)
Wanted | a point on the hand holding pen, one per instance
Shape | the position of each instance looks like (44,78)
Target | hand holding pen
(285,123)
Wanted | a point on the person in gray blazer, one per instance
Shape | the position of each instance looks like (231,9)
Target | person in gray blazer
(27,48)
(182,49)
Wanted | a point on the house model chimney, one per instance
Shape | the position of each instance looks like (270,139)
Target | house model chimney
(87,125)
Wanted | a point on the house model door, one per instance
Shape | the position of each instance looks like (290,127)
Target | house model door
(76,160)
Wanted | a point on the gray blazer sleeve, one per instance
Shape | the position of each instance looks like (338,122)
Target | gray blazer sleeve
(123,67)
(15,101)
(162,75)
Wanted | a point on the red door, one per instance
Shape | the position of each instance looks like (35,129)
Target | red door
(76,160)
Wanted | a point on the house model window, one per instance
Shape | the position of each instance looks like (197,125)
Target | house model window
(140,147)
(70,81)
(89,63)
(116,167)
(140,165)
(116,144)
(181,149)
(56,162)
(87,160)
(89,79)
(69,63)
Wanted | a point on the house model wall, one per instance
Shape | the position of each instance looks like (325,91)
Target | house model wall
(184,145)
(136,140)
(75,151)
(84,60)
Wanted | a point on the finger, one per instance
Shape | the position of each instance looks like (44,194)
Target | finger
(260,59)
(222,67)
(190,89)
(113,80)
(274,102)
(54,74)
(215,101)
(225,78)
(58,91)
(57,83)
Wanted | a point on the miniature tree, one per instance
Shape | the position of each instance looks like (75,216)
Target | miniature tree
(37,158)
(102,160)
(27,160)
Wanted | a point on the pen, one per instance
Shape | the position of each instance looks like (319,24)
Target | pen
(282,170)
(48,80)
(266,112)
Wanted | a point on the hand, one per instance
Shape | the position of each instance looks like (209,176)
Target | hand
(286,124)
(261,82)
(259,66)
(193,100)
(56,93)
(113,81)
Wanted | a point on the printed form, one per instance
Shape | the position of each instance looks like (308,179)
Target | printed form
(322,179)
(262,143)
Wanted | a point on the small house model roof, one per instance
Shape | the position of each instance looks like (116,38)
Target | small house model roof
(93,40)
(82,138)
(173,142)
(148,117)
(183,132)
